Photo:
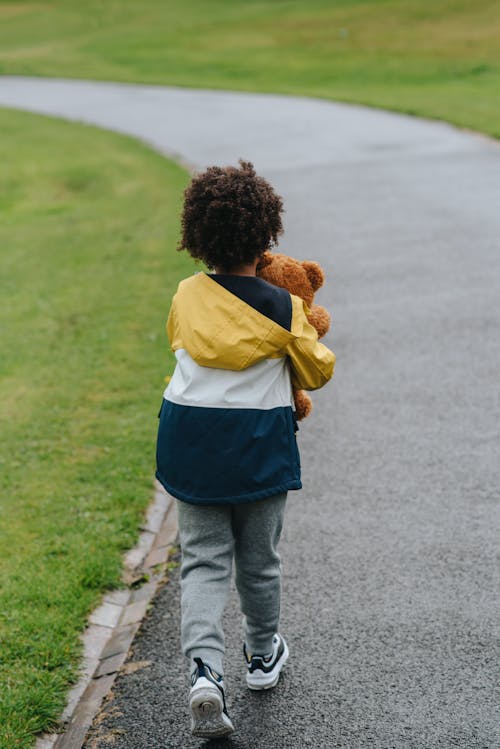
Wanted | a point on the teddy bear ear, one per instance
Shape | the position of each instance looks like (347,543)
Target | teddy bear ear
(315,273)
(265,259)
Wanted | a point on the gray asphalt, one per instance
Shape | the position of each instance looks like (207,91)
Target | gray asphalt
(390,551)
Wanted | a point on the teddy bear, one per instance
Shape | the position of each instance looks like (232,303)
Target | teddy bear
(301,278)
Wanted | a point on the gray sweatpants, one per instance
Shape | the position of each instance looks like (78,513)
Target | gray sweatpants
(210,536)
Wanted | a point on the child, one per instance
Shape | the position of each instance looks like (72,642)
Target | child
(226,441)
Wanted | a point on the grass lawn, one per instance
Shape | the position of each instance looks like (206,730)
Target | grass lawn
(88,227)
(437,58)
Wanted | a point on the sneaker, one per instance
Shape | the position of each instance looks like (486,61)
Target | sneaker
(207,703)
(264,670)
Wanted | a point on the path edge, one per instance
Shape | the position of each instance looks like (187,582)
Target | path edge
(113,624)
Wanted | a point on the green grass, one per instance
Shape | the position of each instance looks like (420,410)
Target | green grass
(88,227)
(439,58)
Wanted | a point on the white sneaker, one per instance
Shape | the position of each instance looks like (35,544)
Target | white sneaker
(207,703)
(264,670)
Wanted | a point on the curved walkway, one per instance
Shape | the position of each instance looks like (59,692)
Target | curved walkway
(390,577)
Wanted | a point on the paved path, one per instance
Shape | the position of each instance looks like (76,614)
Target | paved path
(390,575)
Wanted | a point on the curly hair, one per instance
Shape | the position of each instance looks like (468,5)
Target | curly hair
(230,216)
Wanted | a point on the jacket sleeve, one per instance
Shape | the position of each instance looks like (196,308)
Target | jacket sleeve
(172,326)
(311,362)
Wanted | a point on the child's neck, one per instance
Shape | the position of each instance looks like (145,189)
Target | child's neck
(249,269)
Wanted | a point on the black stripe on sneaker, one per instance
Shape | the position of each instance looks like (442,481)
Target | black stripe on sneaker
(202,669)
(258,662)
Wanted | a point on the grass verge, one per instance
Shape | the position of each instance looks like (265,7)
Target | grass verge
(439,59)
(89,223)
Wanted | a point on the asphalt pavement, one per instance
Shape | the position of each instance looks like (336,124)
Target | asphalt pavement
(390,552)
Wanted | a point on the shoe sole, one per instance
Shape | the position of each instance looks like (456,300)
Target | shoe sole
(208,721)
(259,681)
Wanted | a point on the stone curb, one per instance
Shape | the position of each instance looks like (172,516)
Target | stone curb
(114,623)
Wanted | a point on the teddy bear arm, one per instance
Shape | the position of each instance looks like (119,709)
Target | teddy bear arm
(319,318)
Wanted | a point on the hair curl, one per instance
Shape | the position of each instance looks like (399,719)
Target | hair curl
(230,216)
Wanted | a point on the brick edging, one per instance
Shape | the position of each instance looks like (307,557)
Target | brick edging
(114,624)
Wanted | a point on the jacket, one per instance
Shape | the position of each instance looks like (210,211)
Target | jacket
(227,428)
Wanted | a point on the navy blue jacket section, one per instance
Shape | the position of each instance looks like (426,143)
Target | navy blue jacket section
(271,301)
(226,455)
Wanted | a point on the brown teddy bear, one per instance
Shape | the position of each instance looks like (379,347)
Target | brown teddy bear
(302,278)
